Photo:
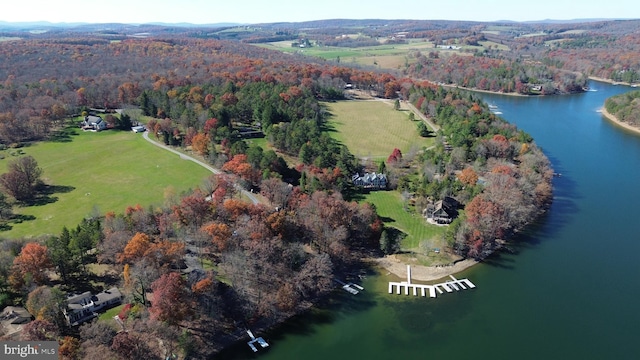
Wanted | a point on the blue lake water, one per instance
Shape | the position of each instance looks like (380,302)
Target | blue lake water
(570,291)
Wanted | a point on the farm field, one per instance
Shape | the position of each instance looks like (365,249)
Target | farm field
(98,172)
(372,129)
(383,56)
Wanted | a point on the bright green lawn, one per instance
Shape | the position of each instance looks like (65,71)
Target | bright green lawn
(390,208)
(108,171)
(373,129)
(109,314)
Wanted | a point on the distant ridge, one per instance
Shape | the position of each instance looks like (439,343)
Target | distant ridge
(570,21)
(47,24)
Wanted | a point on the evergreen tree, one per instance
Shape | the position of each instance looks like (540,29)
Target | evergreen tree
(303,181)
(61,255)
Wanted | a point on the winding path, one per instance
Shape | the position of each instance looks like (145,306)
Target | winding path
(203,164)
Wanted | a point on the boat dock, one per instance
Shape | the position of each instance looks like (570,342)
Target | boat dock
(254,340)
(447,286)
(350,287)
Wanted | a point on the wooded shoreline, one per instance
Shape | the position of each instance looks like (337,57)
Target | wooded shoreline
(612,118)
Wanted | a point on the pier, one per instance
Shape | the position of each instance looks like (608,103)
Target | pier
(254,340)
(447,286)
(350,287)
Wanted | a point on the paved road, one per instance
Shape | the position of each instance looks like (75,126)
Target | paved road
(203,164)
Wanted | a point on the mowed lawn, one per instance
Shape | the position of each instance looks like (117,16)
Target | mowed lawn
(390,208)
(105,171)
(372,129)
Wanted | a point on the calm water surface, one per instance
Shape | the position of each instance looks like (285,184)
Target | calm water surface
(570,292)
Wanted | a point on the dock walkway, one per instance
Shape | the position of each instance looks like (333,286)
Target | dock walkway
(350,287)
(254,340)
(448,286)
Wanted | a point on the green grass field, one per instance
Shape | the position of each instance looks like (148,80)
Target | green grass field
(391,209)
(105,171)
(372,129)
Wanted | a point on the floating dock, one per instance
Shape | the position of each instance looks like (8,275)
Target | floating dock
(350,287)
(254,340)
(448,286)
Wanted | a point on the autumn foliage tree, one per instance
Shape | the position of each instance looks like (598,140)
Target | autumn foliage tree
(32,261)
(200,144)
(135,249)
(39,330)
(395,157)
(22,179)
(468,177)
(220,234)
(46,303)
(170,299)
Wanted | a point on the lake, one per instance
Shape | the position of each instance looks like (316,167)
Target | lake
(570,290)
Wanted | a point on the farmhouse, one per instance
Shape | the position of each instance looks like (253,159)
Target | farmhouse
(443,211)
(371,181)
(84,307)
(95,123)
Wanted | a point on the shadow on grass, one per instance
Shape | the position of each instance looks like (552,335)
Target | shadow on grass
(63,135)
(45,194)
(328,127)
(15,219)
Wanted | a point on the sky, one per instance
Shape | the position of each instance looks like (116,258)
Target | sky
(267,11)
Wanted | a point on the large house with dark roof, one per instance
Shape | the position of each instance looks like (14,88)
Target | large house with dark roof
(370,181)
(85,306)
(443,211)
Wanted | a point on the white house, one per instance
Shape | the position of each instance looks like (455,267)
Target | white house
(84,307)
(92,122)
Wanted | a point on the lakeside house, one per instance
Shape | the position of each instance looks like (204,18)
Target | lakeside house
(84,307)
(442,211)
(371,181)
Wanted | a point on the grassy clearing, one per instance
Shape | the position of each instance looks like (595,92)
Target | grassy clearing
(372,129)
(384,61)
(105,171)
(493,45)
(391,208)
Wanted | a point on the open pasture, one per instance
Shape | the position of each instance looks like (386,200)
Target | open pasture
(91,172)
(372,129)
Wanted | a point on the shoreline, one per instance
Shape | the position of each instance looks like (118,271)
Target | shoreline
(485,91)
(609,81)
(612,118)
(418,272)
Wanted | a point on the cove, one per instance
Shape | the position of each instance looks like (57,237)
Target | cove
(569,291)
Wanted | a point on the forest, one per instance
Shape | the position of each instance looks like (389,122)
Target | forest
(524,58)
(625,107)
(202,268)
